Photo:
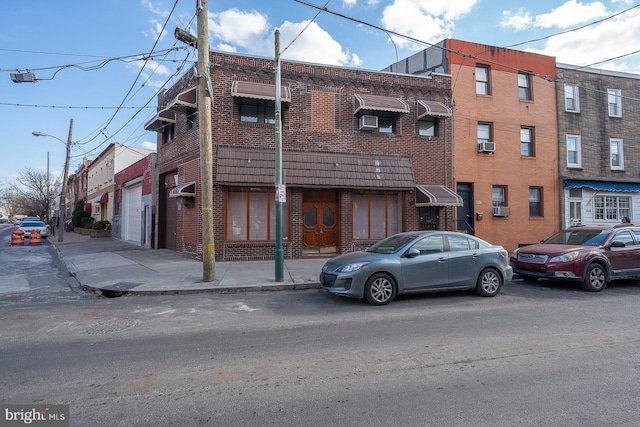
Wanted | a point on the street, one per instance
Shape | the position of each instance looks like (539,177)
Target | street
(537,354)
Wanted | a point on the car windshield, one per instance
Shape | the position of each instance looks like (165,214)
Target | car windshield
(391,244)
(33,224)
(579,237)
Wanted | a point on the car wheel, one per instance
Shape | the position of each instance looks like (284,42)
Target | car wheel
(596,278)
(489,283)
(380,289)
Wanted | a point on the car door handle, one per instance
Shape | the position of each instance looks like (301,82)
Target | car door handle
(442,259)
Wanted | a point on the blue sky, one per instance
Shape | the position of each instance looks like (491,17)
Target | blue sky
(102,63)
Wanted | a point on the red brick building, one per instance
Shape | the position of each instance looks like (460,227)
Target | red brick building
(366,154)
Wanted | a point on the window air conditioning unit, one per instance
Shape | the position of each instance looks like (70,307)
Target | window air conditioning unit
(368,122)
(486,147)
(501,210)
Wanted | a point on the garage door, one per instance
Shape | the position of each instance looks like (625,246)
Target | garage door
(132,214)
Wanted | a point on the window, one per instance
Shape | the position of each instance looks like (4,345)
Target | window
(499,195)
(612,208)
(430,245)
(571,98)
(192,119)
(616,153)
(526,141)
(167,133)
(376,215)
(574,156)
(575,206)
(482,80)
(251,215)
(385,124)
(484,132)
(524,87)
(614,97)
(535,201)
(257,111)
(428,127)
(461,243)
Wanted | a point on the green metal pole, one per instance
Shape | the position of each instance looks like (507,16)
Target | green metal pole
(279,255)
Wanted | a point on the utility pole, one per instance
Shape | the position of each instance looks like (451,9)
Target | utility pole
(281,192)
(206,151)
(63,195)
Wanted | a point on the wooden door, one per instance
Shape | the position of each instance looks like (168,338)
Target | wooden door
(320,226)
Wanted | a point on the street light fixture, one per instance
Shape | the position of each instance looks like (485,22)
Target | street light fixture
(63,207)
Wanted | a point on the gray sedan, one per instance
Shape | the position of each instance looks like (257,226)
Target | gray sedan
(421,261)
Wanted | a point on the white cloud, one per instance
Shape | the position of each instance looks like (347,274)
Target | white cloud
(247,30)
(518,21)
(312,45)
(609,39)
(349,3)
(148,145)
(570,14)
(426,20)
(163,13)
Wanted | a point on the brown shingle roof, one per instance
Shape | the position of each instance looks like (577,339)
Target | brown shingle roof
(246,166)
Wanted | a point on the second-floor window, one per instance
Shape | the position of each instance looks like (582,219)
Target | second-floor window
(616,153)
(484,132)
(574,155)
(571,98)
(257,111)
(524,86)
(428,127)
(167,133)
(482,80)
(526,141)
(614,98)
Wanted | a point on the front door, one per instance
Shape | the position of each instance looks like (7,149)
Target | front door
(320,222)
(465,212)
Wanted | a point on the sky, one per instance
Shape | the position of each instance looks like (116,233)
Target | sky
(102,63)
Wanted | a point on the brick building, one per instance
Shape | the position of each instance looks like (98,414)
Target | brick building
(598,133)
(504,138)
(366,154)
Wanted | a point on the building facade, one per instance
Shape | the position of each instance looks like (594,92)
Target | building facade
(365,154)
(598,134)
(504,138)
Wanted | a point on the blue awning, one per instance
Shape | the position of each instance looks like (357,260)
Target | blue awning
(629,187)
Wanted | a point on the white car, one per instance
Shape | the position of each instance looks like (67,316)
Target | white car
(29,225)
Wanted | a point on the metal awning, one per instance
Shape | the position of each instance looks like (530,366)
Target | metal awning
(161,119)
(628,187)
(185,190)
(432,108)
(101,198)
(259,91)
(363,101)
(184,102)
(436,195)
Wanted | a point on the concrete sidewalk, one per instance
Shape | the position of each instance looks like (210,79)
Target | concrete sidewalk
(114,267)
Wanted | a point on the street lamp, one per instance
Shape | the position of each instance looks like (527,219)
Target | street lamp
(63,207)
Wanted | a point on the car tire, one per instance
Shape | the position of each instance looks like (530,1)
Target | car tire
(380,289)
(595,279)
(489,283)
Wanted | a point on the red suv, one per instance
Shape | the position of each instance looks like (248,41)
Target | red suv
(589,254)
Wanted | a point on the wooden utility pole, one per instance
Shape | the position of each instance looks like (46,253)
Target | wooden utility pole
(206,150)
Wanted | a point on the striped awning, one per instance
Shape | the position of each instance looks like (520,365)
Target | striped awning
(436,195)
(364,101)
(185,101)
(163,118)
(432,108)
(259,91)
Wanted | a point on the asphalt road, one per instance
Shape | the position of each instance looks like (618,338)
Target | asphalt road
(536,355)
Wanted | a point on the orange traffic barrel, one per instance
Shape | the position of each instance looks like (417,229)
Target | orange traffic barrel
(17,238)
(34,237)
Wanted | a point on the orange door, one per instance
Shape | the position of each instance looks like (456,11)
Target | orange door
(320,227)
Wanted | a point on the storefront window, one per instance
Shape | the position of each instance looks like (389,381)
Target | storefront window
(376,215)
(251,215)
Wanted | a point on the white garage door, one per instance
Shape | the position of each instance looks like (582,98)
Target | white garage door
(132,214)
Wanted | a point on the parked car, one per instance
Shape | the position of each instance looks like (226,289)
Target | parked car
(28,218)
(28,226)
(421,261)
(591,255)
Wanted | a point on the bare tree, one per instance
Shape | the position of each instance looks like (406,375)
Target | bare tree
(31,193)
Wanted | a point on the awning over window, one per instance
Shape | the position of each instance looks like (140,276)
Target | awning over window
(101,198)
(363,101)
(161,119)
(185,101)
(185,190)
(628,187)
(432,108)
(253,166)
(436,195)
(259,91)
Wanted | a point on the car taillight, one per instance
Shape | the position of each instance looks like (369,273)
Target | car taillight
(504,253)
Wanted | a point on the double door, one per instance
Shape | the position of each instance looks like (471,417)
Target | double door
(320,222)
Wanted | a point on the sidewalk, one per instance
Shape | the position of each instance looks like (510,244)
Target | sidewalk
(114,267)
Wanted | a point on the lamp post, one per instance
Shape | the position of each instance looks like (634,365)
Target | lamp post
(63,194)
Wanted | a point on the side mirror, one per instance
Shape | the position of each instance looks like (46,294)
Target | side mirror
(412,253)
